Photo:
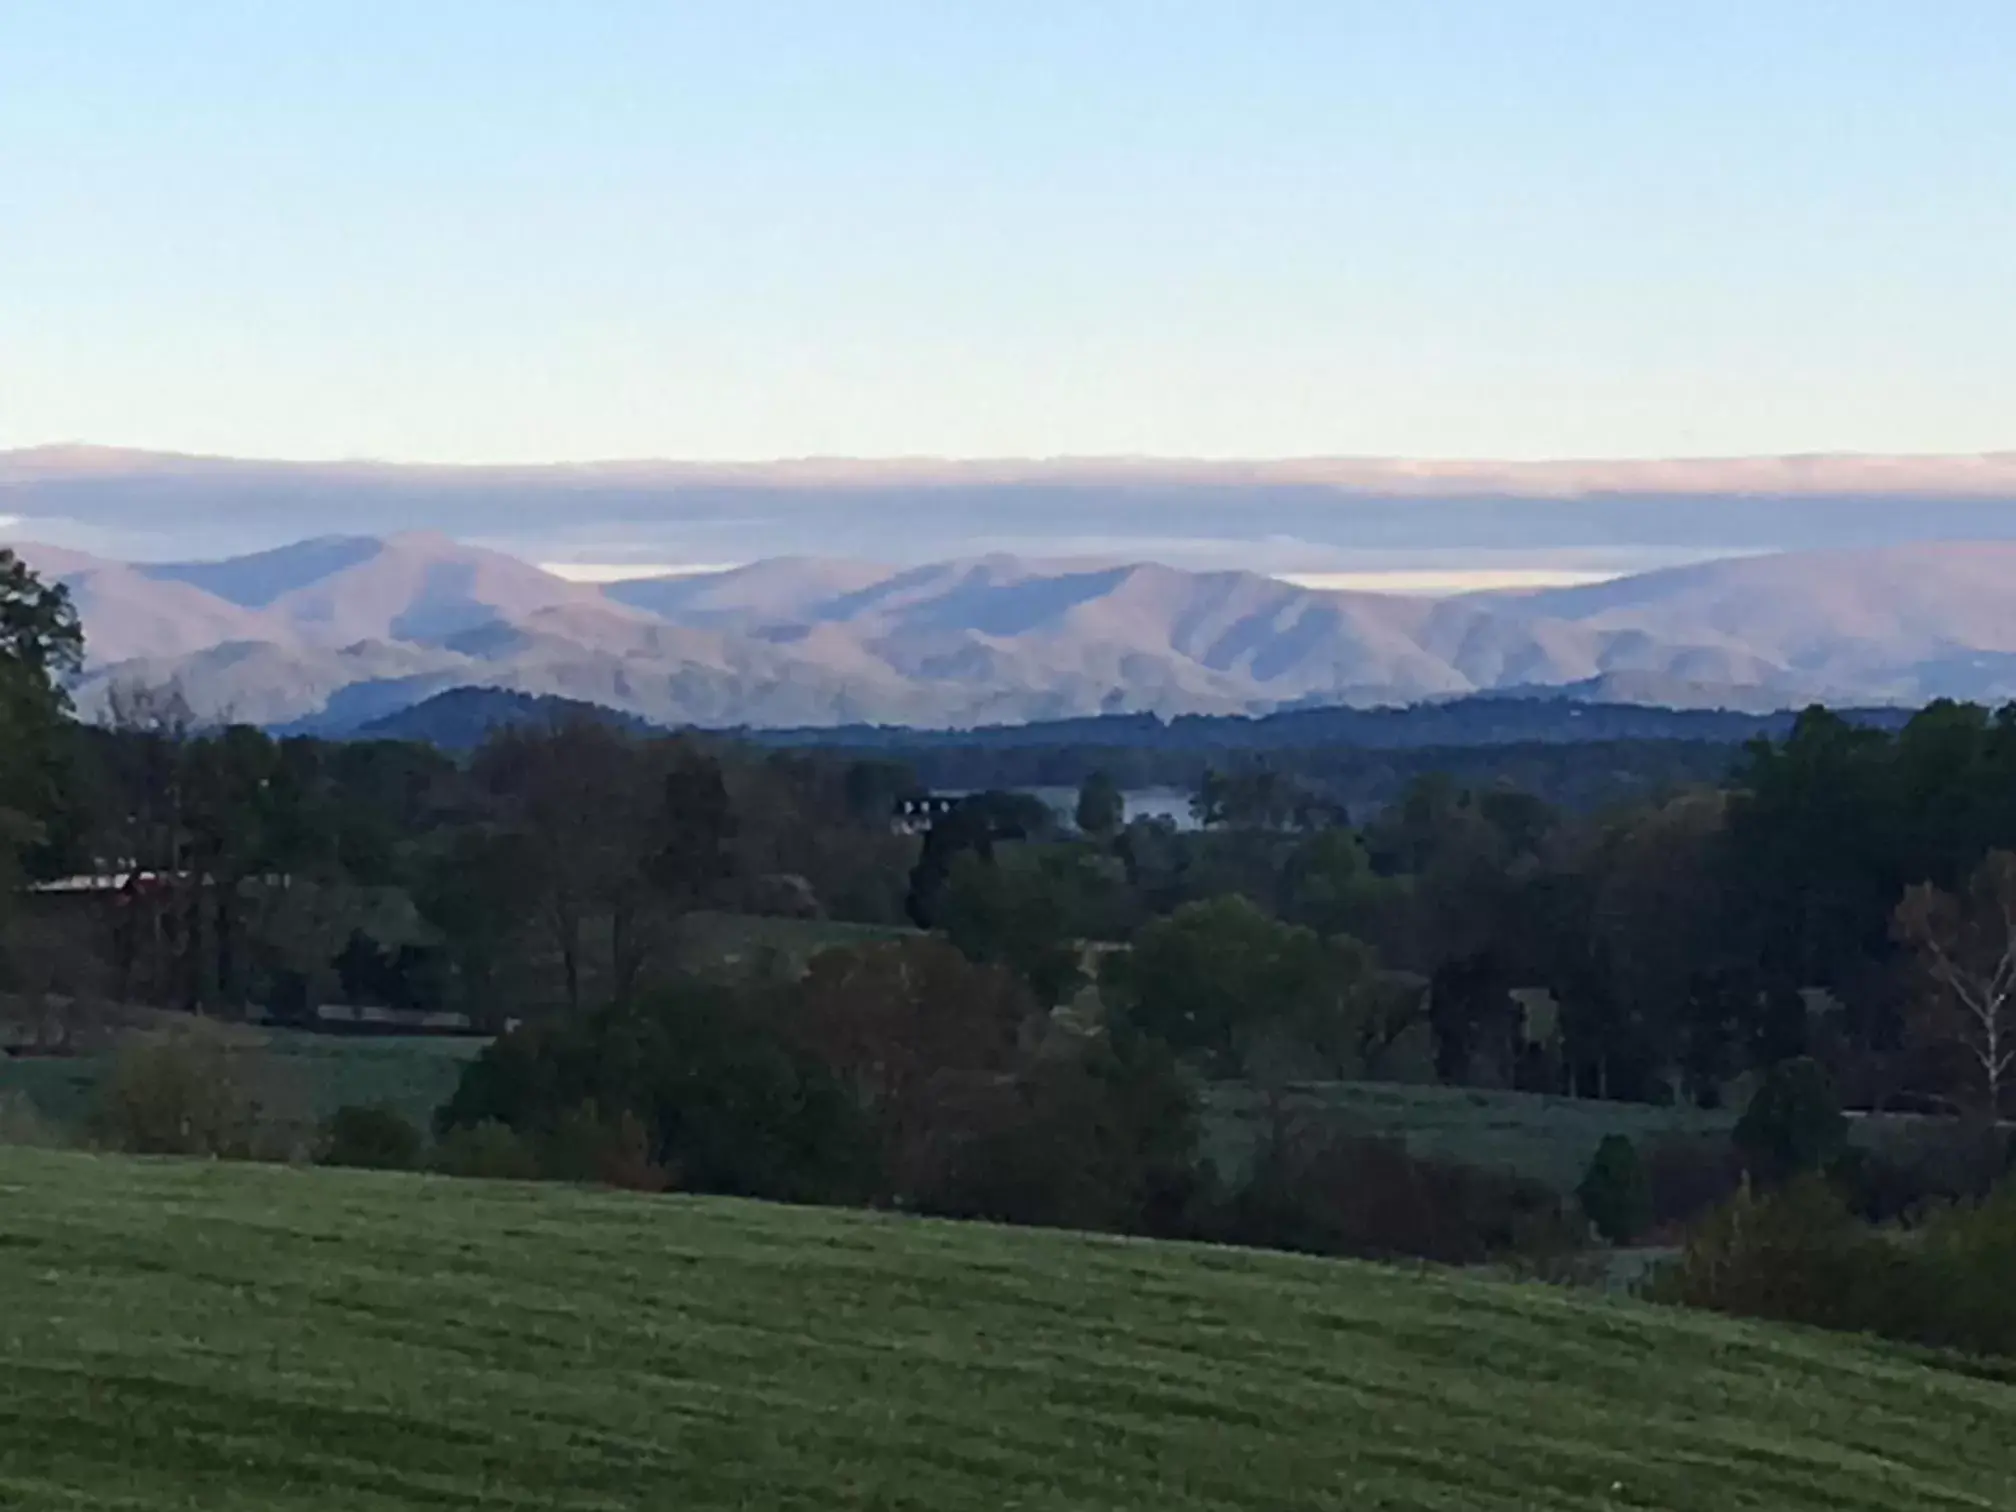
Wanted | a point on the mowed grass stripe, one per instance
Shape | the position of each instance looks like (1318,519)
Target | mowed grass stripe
(221,1336)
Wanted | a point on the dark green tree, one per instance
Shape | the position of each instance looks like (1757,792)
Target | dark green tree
(727,1105)
(41,645)
(1616,1193)
(1214,979)
(1102,808)
(1793,1125)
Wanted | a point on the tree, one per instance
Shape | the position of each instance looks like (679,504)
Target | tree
(148,830)
(607,832)
(479,891)
(41,643)
(1808,873)
(699,828)
(1103,1136)
(1019,913)
(1329,884)
(1616,1193)
(726,1104)
(1793,1125)
(229,791)
(1258,799)
(1215,978)
(1102,809)
(919,1034)
(1966,947)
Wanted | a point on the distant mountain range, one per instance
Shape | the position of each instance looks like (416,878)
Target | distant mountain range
(331,634)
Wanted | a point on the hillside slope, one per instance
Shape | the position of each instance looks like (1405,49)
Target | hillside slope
(241,1337)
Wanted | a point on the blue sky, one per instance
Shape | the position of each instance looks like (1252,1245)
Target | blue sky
(511,231)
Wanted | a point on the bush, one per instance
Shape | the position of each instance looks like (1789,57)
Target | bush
(1615,1193)
(1970,1252)
(189,1092)
(374,1137)
(1796,1255)
(1793,1124)
(488,1150)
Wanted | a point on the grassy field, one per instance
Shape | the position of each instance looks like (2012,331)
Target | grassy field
(317,1072)
(1549,1139)
(238,1337)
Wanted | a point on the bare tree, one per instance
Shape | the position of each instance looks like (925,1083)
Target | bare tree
(1966,945)
(150,840)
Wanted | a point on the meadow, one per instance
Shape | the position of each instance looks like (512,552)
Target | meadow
(313,1073)
(237,1337)
(1548,1139)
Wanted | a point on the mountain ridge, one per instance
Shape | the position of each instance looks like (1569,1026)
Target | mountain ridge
(335,630)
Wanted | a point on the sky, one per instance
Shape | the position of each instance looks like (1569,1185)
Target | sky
(509,231)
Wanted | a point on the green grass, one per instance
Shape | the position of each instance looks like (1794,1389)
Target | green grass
(319,1073)
(1549,1139)
(237,1337)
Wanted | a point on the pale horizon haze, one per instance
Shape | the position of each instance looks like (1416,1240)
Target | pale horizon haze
(524,232)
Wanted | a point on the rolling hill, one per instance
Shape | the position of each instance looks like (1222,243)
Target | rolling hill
(238,1336)
(333,633)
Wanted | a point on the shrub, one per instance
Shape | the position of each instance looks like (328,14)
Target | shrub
(1615,1192)
(189,1092)
(1796,1255)
(374,1137)
(1970,1252)
(1793,1124)
(488,1150)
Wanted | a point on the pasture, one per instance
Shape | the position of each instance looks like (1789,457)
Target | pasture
(1548,1139)
(312,1073)
(237,1337)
